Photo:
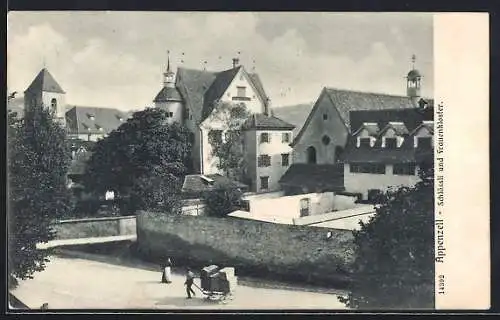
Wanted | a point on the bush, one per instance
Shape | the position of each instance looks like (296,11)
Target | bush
(221,202)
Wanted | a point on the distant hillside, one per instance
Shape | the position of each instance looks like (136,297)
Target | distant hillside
(295,114)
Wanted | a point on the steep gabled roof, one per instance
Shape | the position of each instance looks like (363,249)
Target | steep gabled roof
(84,120)
(372,128)
(168,94)
(398,127)
(44,81)
(201,88)
(263,122)
(217,89)
(429,125)
(194,184)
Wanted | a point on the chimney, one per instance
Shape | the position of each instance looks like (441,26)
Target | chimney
(236,62)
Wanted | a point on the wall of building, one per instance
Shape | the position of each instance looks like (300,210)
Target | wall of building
(255,104)
(250,151)
(274,149)
(175,107)
(362,182)
(333,127)
(61,103)
(87,137)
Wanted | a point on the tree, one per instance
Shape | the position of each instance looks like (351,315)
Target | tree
(143,160)
(394,265)
(38,161)
(228,147)
(222,201)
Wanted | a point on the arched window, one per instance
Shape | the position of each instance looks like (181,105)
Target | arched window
(311,155)
(338,152)
(53,105)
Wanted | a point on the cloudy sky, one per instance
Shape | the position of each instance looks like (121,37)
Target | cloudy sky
(115,59)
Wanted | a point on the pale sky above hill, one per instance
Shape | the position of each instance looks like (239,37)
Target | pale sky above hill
(115,59)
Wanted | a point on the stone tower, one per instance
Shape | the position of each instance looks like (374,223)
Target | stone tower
(44,91)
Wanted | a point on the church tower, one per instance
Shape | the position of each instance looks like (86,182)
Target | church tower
(44,91)
(169,98)
(413,82)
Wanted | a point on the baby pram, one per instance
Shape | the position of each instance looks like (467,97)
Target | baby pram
(218,284)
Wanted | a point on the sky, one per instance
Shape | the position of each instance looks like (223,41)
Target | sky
(116,59)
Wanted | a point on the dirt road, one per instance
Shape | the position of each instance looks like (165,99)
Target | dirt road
(74,283)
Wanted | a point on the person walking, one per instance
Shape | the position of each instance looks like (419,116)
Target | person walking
(189,283)
(167,272)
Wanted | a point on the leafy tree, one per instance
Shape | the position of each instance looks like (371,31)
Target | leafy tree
(38,160)
(228,147)
(394,265)
(222,201)
(143,160)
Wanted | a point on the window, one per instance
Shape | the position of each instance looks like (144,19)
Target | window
(264,182)
(53,105)
(264,160)
(285,159)
(325,116)
(424,142)
(285,137)
(304,207)
(391,143)
(186,114)
(215,136)
(264,137)
(364,142)
(170,114)
(404,169)
(242,91)
(91,116)
(326,140)
(375,168)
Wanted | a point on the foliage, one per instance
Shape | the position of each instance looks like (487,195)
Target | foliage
(38,160)
(143,161)
(228,148)
(394,265)
(222,201)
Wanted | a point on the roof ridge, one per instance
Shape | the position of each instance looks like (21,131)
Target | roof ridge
(94,107)
(367,92)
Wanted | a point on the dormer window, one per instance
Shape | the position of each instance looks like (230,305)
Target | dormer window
(391,143)
(119,117)
(423,142)
(365,142)
(91,116)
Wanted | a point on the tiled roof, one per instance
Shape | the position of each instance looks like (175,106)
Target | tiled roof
(79,119)
(398,127)
(324,176)
(296,115)
(410,118)
(44,81)
(372,128)
(346,101)
(217,89)
(201,88)
(168,94)
(193,183)
(262,121)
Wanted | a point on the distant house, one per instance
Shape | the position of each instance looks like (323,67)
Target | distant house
(92,123)
(387,149)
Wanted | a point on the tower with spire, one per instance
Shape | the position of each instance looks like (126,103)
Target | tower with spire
(413,80)
(45,92)
(169,97)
